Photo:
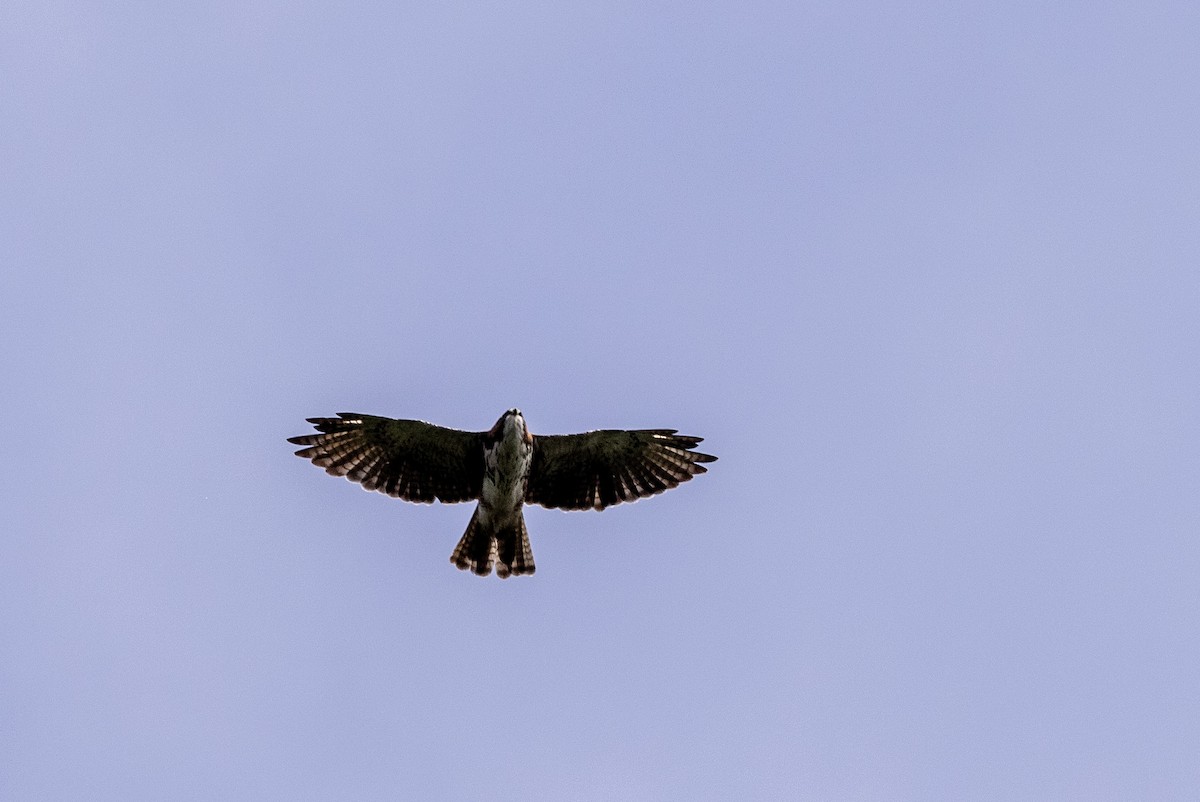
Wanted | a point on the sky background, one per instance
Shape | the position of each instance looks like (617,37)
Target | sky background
(923,275)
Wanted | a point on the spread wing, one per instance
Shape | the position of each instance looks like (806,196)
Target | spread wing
(409,459)
(598,469)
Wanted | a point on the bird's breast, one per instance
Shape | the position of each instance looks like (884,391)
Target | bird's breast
(506,468)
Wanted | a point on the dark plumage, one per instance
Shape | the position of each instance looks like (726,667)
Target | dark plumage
(502,469)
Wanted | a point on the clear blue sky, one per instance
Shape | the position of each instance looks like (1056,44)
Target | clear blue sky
(924,276)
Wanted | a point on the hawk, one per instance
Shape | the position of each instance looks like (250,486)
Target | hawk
(503,469)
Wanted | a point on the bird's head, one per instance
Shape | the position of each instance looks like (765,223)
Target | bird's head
(512,422)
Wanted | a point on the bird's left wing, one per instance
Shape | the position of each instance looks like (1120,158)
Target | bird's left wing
(409,459)
(598,469)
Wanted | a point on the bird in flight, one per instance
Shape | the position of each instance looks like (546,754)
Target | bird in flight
(503,469)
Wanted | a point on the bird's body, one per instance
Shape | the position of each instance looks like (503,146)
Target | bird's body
(497,531)
(506,469)
(503,469)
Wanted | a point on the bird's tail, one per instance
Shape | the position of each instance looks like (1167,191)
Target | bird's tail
(507,547)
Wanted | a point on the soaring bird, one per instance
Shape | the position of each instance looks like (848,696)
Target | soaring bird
(503,469)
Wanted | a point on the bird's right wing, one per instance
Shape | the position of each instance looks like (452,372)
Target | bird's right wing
(409,459)
(597,469)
